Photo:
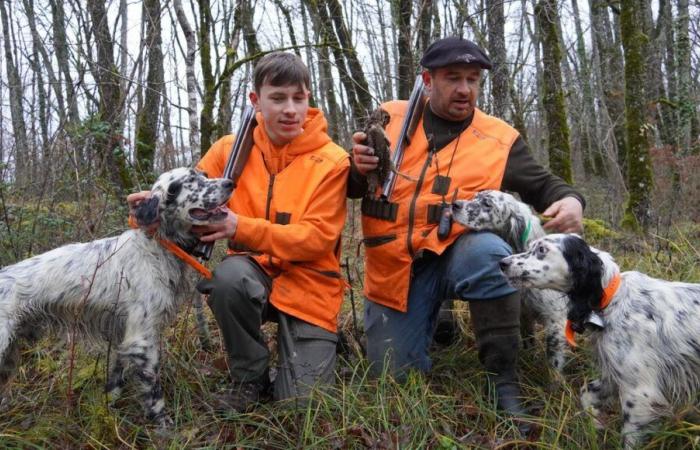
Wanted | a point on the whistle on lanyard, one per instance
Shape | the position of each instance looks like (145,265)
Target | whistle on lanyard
(445,224)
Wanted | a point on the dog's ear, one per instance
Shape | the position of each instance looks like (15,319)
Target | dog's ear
(147,212)
(174,189)
(586,270)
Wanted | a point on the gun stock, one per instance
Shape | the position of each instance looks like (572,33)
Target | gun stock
(240,151)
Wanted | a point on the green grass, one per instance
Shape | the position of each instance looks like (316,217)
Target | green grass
(444,410)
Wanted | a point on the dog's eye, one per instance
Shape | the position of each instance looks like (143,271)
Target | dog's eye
(541,250)
(486,203)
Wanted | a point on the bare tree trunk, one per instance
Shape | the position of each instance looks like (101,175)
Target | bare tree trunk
(60,47)
(244,17)
(591,153)
(191,80)
(16,106)
(558,129)
(315,90)
(47,67)
(40,87)
(286,13)
(497,52)
(169,158)
(424,33)
(325,77)
(666,16)
(206,120)
(686,105)
(111,106)
(654,88)
(406,70)
(388,85)
(231,36)
(639,176)
(147,120)
(359,85)
(610,62)
(329,38)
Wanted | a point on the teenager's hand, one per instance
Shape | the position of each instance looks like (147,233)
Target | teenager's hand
(566,214)
(363,156)
(134,200)
(224,229)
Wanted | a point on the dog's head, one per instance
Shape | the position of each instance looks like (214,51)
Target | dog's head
(181,198)
(563,262)
(498,212)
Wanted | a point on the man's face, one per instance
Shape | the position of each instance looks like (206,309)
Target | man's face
(284,110)
(453,90)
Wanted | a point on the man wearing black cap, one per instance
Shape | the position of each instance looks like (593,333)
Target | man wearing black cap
(455,151)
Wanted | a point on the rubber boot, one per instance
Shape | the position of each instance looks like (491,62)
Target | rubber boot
(496,324)
(446,327)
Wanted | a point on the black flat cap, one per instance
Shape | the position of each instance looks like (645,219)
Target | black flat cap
(454,50)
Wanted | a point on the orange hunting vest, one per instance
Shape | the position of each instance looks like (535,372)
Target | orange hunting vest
(291,210)
(480,156)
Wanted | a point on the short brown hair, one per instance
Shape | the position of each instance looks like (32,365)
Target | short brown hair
(281,69)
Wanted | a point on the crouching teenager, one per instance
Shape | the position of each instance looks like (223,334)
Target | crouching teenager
(283,231)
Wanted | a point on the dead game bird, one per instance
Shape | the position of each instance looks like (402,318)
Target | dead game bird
(377,139)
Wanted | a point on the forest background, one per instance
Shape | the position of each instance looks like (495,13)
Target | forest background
(97,98)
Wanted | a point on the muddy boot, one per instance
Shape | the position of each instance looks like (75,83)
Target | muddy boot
(243,396)
(496,324)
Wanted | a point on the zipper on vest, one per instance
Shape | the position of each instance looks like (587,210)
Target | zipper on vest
(269,197)
(412,209)
(267,209)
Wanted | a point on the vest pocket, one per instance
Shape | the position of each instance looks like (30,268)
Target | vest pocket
(376,241)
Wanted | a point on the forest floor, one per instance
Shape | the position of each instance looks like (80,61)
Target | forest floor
(444,410)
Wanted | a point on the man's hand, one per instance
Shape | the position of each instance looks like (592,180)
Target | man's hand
(363,156)
(566,214)
(224,229)
(134,200)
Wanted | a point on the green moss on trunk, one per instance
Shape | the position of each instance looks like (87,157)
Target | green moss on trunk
(639,175)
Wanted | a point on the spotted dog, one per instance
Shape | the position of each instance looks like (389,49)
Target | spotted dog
(646,331)
(124,290)
(515,223)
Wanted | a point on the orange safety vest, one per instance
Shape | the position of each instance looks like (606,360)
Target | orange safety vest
(291,210)
(480,156)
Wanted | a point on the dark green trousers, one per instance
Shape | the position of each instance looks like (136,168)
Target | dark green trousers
(239,298)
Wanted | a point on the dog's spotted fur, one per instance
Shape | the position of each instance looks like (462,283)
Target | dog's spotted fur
(648,349)
(505,216)
(123,289)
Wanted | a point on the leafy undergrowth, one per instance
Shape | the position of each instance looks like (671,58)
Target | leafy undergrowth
(444,410)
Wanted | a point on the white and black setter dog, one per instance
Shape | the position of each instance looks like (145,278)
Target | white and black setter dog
(646,332)
(515,223)
(124,290)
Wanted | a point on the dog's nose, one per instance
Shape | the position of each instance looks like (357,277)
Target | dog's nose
(504,263)
(227,184)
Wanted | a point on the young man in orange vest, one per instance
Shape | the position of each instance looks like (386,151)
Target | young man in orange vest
(283,228)
(455,151)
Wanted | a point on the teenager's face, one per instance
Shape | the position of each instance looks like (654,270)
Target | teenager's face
(453,90)
(284,110)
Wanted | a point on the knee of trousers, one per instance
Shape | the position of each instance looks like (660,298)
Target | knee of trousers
(235,282)
(473,268)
